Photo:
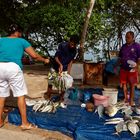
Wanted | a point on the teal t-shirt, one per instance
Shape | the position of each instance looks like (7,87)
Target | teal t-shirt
(12,49)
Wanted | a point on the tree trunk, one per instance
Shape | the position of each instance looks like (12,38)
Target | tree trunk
(108,47)
(83,36)
(119,37)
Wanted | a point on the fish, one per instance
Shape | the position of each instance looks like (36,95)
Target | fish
(42,105)
(37,106)
(119,127)
(111,111)
(100,110)
(48,108)
(137,110)
(127,111)
(138,124)
(53,110)
(114,119)
(133,128)
(136,118)
(125,127)
(127,117)
(132,121)
(114,122)
(56,104)
(120,104)
(135,121)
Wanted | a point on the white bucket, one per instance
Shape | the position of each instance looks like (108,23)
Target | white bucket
(112,94)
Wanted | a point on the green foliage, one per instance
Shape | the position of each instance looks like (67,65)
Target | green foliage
(48,22)
(56,81)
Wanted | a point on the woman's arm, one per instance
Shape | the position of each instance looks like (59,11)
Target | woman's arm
(35,55)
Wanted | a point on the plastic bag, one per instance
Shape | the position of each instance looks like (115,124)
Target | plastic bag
(60,82)
(70,98)
(68,80)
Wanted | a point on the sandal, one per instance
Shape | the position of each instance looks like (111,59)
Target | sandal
(28,127)
(2,125)
(132,104)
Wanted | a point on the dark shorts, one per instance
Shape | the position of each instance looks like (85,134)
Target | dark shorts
(128,77)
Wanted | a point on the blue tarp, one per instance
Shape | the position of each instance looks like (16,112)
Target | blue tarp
(75,122)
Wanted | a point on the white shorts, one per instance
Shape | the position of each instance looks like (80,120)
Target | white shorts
(11,77)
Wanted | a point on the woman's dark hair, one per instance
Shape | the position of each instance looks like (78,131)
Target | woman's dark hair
(14,28)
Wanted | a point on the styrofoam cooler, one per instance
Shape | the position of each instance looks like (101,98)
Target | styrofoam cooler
(112,94)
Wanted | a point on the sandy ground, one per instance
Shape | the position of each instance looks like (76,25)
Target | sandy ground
(35,76)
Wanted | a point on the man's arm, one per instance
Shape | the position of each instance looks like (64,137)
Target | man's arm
(60,65)
(138,61)
(57,55)
(69,66)
(35,55)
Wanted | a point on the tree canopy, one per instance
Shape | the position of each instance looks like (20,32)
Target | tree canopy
(47,23)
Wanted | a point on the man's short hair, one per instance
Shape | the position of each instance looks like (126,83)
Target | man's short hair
(131,33)
(14,28)
(75,39)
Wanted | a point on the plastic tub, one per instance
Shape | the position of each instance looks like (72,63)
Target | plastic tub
(100,100)
(110,89)
(112,94)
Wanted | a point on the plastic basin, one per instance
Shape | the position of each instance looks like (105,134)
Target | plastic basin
(100,100)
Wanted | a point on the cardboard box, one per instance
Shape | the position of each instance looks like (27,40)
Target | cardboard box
(93,73)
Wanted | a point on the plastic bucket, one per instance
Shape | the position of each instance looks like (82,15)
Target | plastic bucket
(100,100)
(112,94)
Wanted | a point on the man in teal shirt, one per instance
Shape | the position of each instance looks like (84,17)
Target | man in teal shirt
(11,75)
